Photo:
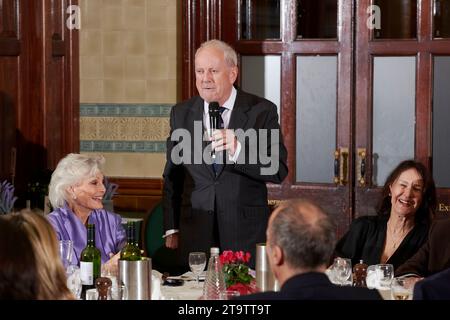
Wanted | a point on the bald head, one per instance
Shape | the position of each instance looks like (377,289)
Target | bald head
(304,232)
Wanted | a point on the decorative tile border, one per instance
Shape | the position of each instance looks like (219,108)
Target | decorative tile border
(124,110)
(124,128)
(129,128)
(123,146)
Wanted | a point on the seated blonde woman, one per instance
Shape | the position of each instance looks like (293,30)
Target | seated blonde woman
(76,192)
(30,266)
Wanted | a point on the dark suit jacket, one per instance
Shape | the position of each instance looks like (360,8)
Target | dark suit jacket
(436,287)
(434,255)
(314,286)
(238,194)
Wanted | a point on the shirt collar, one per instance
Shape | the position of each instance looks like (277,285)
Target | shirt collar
(229,104)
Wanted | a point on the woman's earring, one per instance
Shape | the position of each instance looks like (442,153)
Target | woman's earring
(74,196)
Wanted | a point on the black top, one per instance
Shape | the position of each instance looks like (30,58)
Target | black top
(366,237)
(314,286)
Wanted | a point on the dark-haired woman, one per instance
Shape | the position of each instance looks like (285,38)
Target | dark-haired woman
(401,226)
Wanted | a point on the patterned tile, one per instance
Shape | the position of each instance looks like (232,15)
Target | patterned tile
(88,128)
(108,129)
(155,129)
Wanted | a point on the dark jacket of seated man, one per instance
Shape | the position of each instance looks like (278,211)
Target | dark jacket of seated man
(436,287)
(314,286)
(300,241)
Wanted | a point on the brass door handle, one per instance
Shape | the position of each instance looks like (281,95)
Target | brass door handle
(341,166)
(344,166)
(336,167)
(361,175)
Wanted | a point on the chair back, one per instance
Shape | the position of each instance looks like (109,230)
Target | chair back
(163,259)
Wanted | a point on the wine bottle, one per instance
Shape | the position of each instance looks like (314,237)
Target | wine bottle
(90,262)
(131,251)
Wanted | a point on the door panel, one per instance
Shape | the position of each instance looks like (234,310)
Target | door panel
(315,65)
(394,89)
(316,118)
(441,121)
(261,75)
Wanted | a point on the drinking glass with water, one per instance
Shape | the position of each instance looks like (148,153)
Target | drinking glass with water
(197,263)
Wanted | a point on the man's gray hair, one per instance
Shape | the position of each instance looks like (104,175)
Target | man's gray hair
(305,233)
(70,171)
(229,53)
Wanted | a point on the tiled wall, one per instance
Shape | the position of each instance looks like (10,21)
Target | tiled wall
(128,71)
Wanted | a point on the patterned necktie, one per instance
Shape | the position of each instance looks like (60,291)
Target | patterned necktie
(217,167)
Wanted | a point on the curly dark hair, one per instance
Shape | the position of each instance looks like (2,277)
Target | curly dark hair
(425,213)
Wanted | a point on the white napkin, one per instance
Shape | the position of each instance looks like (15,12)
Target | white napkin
(156,285)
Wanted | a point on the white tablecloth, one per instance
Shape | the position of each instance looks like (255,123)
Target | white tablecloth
(188,291)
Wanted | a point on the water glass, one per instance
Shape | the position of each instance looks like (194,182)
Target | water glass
(91,294)
(384,275)
(118,292)
(74,280)
(66,252)
(197,262)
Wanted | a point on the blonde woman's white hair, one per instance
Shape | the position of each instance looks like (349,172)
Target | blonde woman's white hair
(70,171)
(229,53)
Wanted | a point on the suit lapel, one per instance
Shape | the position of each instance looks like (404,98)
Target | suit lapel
(239,115)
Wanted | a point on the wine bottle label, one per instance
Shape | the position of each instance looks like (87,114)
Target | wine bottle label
(87,273)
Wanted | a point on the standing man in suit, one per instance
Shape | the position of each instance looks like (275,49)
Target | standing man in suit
(300,242)
(223,201)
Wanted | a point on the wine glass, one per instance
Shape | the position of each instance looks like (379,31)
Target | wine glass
(66,251)
(401,289)
(197,262)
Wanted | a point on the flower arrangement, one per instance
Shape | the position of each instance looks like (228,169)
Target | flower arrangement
(7,198)
(237,276)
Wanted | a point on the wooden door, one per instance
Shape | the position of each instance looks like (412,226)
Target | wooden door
(401,100)
(39,84)
(391,84)
(297,43)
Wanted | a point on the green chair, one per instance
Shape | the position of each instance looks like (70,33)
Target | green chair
(163,259)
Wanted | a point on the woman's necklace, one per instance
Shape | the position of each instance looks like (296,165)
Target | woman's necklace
(397,237)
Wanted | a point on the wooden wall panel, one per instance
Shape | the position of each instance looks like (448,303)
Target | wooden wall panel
(9,85)
(137,195)
(39,86)
(8,100)
(61,132)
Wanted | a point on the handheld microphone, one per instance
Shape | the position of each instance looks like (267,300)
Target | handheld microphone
(214,115)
